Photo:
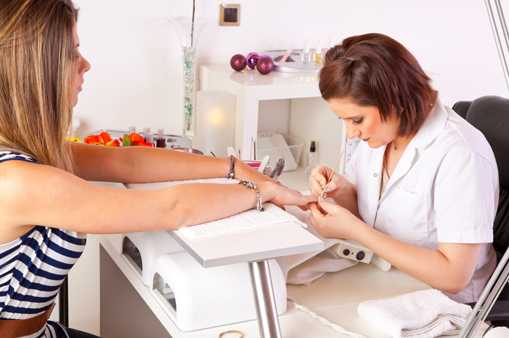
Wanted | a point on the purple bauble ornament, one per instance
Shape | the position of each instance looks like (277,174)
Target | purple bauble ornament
(265,64)
(252,59)
(238,62)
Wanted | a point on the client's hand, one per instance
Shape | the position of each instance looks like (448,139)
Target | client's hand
(334,221)
(281,195)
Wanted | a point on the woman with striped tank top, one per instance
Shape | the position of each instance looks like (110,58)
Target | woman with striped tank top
(46,203)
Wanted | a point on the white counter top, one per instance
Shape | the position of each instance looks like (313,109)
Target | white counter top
(334,297)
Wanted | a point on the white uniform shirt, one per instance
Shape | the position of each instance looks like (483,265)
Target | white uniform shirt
(444,189)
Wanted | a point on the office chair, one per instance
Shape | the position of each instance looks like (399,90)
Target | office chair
(490,114)
(63,303)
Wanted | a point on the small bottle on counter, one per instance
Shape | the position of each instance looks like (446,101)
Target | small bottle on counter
(160,139)
(315,56)
(312,158)
(305,56)
(147,135)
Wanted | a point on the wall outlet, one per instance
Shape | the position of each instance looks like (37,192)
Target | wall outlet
(229,15)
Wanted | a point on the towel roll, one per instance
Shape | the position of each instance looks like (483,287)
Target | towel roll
(497,332)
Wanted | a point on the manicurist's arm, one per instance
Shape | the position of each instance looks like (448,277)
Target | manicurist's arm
(449,267)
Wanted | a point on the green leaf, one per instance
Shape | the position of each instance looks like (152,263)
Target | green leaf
(126,141)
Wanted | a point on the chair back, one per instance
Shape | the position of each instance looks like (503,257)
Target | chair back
(490,114)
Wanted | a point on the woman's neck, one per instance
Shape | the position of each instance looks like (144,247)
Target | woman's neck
(400,142)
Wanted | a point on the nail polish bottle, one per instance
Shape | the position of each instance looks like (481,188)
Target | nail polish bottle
(160,139)
(312,158)
(147,135)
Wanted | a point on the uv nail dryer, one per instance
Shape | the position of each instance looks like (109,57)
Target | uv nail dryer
(195,297)
(198,298)
(142,249)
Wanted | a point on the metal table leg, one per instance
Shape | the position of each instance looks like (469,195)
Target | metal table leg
(268,322)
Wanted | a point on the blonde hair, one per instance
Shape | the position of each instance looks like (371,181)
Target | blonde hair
(37,60)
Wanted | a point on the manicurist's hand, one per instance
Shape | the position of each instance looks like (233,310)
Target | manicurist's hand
(280,195)
(319,178)
(333,221)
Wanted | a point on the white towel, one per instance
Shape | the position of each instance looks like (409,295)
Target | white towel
(308,267)
(497,332)
(420,314)
(316,267)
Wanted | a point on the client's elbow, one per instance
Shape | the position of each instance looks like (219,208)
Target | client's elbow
(455,284)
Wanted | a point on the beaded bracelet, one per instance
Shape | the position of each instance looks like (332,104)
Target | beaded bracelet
(250,185)
(231,171)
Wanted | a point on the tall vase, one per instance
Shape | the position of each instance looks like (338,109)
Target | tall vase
(189,78)
(188,31)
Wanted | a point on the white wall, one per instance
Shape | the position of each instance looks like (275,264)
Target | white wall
(135,77)
(136,74)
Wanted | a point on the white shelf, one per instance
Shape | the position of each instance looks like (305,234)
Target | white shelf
(306,116)
(273,86)
(250,88)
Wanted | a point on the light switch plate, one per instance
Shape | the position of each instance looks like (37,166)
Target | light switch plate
(229,15)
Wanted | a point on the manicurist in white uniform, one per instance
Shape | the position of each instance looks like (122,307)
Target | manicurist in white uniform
(421,189)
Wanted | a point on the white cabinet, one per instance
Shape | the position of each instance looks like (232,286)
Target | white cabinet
(289,103)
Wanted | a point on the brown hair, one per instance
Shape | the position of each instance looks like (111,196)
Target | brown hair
(376,70)
(37,60)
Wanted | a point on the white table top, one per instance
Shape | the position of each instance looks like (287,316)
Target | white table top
(266,242)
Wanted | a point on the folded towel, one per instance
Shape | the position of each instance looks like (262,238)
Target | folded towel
(316,267)
(497,332)
(308,267)
(421,314)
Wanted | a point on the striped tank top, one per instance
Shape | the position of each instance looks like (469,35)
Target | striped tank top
(33,267)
